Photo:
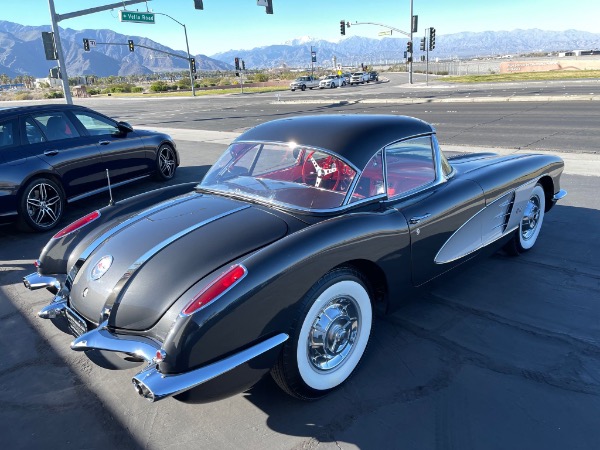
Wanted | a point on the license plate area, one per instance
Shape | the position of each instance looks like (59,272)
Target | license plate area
(76,323)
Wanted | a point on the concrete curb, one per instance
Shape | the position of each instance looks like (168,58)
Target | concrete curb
(410,101)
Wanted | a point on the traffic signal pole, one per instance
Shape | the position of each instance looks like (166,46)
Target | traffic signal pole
(61,59)
(55,18)
(410,61)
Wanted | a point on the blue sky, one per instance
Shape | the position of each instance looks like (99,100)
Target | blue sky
(241,24)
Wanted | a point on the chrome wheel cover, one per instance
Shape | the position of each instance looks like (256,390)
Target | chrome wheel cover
(531,217)
(166,161)
(44,205)
(333,334)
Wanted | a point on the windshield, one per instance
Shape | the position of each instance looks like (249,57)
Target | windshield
(281,173)
(357,74)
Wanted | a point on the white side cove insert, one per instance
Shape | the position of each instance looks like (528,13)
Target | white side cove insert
(497,219)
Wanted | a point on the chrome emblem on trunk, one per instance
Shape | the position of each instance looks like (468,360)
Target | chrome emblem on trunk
(101,267)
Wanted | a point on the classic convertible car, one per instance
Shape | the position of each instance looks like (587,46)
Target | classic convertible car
(277,260)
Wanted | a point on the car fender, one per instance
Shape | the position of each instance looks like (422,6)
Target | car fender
(265,302)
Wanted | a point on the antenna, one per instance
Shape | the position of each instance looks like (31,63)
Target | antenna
(111,202)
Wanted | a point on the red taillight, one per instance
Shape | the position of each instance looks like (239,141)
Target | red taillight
(77,224)
(216,288)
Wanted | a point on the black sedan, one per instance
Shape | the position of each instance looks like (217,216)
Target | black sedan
(277,260)
(54,154)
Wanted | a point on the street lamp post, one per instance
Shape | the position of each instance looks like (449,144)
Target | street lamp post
(187,48)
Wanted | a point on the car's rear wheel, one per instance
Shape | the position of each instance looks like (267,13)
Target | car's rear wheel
(530,225)
(41,205)
(328,338)
(166,162)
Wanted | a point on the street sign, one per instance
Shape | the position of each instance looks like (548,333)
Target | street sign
(92,42)
(385,33)
(137,17)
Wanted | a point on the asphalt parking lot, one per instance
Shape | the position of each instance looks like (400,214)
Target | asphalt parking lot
(503,354)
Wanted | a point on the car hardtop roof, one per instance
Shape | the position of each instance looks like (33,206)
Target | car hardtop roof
(13,110)
(355,137)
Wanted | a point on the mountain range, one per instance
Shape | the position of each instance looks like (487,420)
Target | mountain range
(22,52)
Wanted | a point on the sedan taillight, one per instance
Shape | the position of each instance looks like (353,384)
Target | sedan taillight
(77,224)
(217,288)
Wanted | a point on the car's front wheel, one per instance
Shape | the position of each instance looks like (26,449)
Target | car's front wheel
(166,162)
(303,88)
(328,338)
(41,205)
(530,225)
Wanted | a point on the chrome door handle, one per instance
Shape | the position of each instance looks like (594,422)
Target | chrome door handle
(51,152)
(104,142)
(417,219)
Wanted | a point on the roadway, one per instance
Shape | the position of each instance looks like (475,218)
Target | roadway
(503,354)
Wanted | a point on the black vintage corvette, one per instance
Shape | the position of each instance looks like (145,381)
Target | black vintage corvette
(278,258)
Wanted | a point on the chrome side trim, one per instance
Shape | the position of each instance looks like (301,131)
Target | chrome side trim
(102,339)
(130,272)
(154,386)
(136,218)
(106,188)
(559,195)
(114,230)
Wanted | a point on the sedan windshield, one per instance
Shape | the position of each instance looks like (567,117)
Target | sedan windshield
(287,174)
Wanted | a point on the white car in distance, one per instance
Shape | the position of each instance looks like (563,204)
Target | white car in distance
(331,81)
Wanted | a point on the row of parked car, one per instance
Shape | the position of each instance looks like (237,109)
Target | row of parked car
(333,81)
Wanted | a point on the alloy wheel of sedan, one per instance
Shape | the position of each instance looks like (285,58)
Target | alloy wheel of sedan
(166,162)
(42,204)
(330,338)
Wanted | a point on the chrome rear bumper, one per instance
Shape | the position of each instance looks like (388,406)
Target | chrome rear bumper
(150,383)
(154,386)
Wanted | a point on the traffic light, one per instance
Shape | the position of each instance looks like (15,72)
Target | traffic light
(198,4)
(422,44)
(409,47)
(193,65)
(86,44)
(431,38)
(49,47)
(237,64)
(269,7)
(131,45)
(342,28)
(243,65)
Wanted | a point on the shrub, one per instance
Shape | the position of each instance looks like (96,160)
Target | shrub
(137,89)
(261,77)
(159,86)
(23,96)
(54,94)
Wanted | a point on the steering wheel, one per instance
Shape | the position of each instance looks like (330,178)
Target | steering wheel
(314,174)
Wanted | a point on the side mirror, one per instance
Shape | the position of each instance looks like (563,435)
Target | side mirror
(124,127)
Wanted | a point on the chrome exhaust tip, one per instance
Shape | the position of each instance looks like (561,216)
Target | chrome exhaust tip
(35,281)
(142,390)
